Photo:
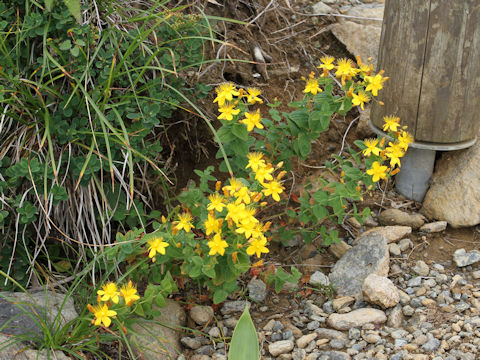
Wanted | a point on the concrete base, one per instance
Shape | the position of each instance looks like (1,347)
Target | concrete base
(413,179)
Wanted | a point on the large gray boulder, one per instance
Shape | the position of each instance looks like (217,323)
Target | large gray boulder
(454,193)
(369,256)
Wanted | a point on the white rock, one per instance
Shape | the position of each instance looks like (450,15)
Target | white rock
(434,227)
(318,278)
(201,314)
(280,347)
(462,258)
(380,290)
(356,318)
(421,268)
(391,233)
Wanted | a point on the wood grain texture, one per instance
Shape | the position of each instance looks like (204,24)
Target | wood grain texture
(431,51)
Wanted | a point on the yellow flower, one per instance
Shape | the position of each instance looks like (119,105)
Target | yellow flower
(375,83)
(255,161)
(247,229)
(156,245)
(372,148)
(312,86)
(225,92)
(391,123)
(264,173)
(273,188)
(257,246)
(236,212)
(109,292)
(217,245)
(243,195)
(216,202)
(404,140)
(327,64)
(394,152)
(227,111)
(377,171)
(212,225)
(103,314)
(345,68)
(185,222)
(233,187)
(252,96)
(360,99)
(129,293)
(252,120)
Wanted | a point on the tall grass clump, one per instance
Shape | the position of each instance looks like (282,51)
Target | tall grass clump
(87,96)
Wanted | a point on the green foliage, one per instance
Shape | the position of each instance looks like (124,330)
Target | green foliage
(84,108)
(244,344)
(280,277)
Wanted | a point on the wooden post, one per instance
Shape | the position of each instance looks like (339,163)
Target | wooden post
(430,49)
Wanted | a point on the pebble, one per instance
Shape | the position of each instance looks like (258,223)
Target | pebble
(257,290)
(394,249)
(421,268)
(280,347)
(463,258)
(405,244)
(202,315)
(231,307)
(318,278)
(306,339)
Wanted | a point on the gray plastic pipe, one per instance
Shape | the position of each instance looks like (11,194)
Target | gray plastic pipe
(417,168)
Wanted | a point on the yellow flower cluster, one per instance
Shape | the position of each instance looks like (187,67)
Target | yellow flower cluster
(361,91)
(110,293)
(393,152)
(228,97)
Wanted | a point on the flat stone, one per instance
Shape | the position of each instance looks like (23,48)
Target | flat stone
(280,347)
(421,268)
(231,307)
(12,349)
(202,315)
(369,256)
(318,278)
(257,290)
(339,249)
(146,334)
(434,227)
(356,318)
(342,302)
(463,258)
(330,334)
(399,217)
(453,192)
(391,233)
(380,290)
(303,341)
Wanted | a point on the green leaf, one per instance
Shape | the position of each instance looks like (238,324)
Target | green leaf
(49,5)
(160,300)
(74,8)
(320,212)
(244,344)
(66,45)
(219,295)
(300,118)
(304,146)
(240,131)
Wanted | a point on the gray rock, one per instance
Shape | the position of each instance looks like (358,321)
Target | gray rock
(17,308)
(354,334)
(324,333)
(231,307)
(356,318)
(280,347)
(431,345)
(380,290)
(399,217)
(394,249)
(192,342)
(318,278)
(421,268)
(369,256)
(205,350)
(202,315)
(395,318)
(453,193)
(333,355)
(434,227)
(463,258)
(299,354)
(321,8)
(215,332)
(313,325)
(405,244)
(415,281)
(391,233)
(13,349)
(257,290)
(158,341)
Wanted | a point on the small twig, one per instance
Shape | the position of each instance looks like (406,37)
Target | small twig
(345,135)
(261,13)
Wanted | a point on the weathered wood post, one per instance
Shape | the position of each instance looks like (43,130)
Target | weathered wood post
(430,49)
